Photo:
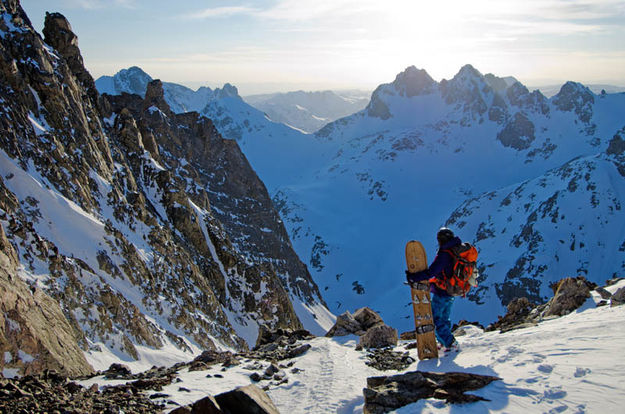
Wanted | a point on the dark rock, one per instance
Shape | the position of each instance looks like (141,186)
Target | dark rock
(158,395)
(280,335)
(271,369)
(603,293)
(518,133)
(613,281)
(408,336)
(575,97)
(571,293)
(385,359)
(517,312)
(345,325)
(249,399)
(618,298)
(255,377)
(297,351)
(207,405)
(367,318)
(379,336)
(117,371)
(384,394)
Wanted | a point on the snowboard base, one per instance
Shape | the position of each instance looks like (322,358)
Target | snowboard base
(416,261)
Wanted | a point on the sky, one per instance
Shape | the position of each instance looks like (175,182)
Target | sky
(281,45)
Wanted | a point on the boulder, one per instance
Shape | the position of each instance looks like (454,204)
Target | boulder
(367,318)
(384,394)
(117,371)
(249,399)
(570,294)
(408,336)
(345,325)
(379,336)
(618,298)
(517,313)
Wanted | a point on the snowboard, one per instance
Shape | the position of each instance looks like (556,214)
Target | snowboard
(416,260)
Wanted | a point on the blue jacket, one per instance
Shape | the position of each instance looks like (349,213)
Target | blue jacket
(443,264)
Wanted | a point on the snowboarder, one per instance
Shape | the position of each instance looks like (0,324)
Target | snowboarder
(441,300)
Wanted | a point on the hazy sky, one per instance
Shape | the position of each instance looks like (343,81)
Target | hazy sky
(263,46)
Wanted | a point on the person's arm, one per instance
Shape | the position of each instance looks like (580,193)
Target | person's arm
(441,261)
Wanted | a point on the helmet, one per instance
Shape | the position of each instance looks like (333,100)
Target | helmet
(444,235)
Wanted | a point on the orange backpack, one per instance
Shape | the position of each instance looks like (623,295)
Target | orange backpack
(464,275)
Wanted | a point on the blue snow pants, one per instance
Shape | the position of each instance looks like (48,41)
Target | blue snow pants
(441,310)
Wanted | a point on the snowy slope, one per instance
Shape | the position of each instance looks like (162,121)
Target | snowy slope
(397,170)
(570,363)
(180,98)
(356,191)
(309,111)
(567,222)
(263,140)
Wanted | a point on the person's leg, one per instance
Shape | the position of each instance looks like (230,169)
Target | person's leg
(441,311)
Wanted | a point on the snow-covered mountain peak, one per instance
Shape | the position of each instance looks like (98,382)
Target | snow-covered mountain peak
(228,91)
(467,73)
(575,97)
(413,82)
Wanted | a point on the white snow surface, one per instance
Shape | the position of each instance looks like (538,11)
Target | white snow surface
(569,364)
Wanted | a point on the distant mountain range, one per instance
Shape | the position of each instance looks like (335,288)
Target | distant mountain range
(309,111)
(550,90)
(423,154)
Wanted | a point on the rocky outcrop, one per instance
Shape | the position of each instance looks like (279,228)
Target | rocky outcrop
(147,227)
(384,394)
(377,108)
(413,82)
(384,359)
(34,334)
(577,98)
(379,336)
(569,294)
(516,316)
(518,133)
(367,324)
(618,298)
(345,325)
(50,392)
(248,399)
(58,33)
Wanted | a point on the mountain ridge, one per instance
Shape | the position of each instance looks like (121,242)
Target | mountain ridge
(119,231)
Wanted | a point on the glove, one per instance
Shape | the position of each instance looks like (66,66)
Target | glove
(409,276)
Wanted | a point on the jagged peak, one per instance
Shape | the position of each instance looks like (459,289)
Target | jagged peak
(500,84)
(155,96)
(571,87)
(133,71)
(227,91)
(413,82)
(468,71)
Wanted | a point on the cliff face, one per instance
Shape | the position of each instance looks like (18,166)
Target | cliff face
(145,229)
(34,333)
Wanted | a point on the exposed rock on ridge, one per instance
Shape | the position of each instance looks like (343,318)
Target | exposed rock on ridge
(110,206)
(34,333)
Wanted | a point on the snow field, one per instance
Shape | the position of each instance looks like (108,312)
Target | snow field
(570,364)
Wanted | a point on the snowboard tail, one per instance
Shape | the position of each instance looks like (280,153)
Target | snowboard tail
(416,260)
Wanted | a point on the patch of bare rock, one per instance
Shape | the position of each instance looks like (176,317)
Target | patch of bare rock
(388,393)
(569,294)
(368,325)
